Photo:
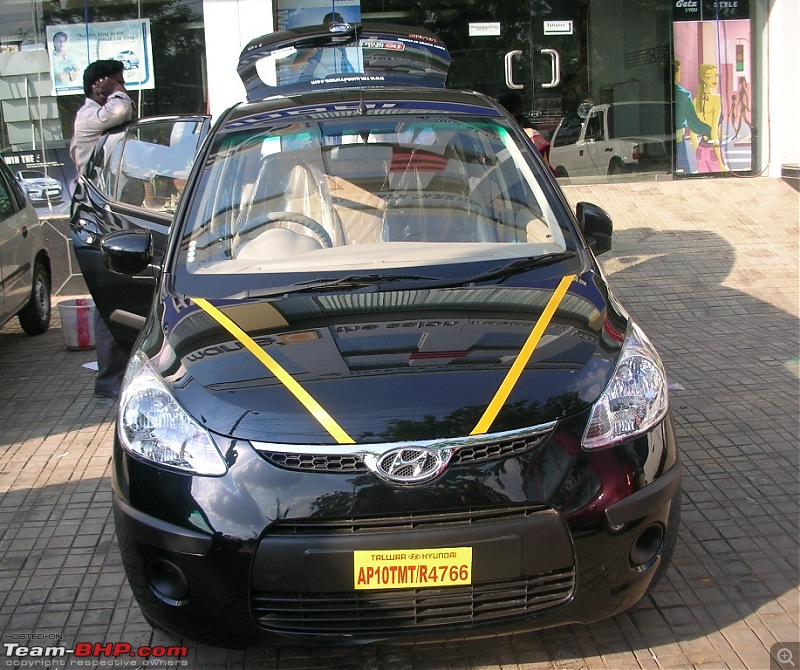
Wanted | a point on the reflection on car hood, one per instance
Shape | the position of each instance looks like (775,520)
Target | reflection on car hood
(386,366)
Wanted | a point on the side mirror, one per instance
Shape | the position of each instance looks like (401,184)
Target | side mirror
(127,252)
(596,226)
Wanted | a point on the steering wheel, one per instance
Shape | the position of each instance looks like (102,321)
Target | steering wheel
(287,217)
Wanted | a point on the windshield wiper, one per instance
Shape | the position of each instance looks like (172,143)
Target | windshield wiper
(334,284)
(523,265)
(359,281)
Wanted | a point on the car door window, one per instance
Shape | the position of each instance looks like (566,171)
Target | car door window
(594,126)
(8,239)
(155,163)
(7,200)
(569,131)
(105,174)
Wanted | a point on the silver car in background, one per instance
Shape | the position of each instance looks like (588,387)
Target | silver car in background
(25,274)
(40,186)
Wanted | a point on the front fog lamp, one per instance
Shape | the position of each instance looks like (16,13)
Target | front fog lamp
(635,399)
(153,426)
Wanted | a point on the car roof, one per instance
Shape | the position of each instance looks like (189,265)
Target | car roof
(387,55)
(353,103)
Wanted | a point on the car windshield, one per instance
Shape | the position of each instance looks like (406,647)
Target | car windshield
(31,174)
(364,194)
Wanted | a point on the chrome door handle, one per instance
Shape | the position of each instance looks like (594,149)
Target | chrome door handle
(510,75)
(555,68)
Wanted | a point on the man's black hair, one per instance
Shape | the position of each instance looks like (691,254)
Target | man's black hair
(97,70)
(332,17)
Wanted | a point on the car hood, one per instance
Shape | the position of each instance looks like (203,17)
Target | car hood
(385,366)
(41,181)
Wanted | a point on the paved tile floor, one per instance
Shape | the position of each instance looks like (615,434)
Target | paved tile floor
(708,267)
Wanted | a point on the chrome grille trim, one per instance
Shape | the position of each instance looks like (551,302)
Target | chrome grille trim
(348,459)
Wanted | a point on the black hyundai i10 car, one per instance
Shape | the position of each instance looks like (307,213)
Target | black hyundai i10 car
(383,390)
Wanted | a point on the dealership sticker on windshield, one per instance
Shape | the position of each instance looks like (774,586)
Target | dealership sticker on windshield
(412,568)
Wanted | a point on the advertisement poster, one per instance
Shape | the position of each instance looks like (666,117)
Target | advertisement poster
(713,87)
(47,177)
(296,13)
(73,46)
(319,64)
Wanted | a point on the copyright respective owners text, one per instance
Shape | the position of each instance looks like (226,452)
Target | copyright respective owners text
(784,656)
(34,650)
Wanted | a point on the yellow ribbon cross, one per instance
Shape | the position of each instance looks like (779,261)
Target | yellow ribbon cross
(513,375)
(316,410)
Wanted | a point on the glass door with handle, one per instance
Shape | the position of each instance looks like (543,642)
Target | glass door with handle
(583,70)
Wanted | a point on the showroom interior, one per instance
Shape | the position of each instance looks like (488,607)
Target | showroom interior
(595,77)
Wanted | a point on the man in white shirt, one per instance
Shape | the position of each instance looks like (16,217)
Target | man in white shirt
(107,105)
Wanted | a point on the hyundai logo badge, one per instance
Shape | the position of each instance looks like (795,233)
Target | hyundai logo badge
(412,465)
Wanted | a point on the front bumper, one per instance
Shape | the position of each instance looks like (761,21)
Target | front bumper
(283,570)
(45,193)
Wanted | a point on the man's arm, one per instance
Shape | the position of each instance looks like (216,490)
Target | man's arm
(118,109)
(118,106)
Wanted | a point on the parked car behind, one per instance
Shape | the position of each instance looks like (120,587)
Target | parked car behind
(39,186)
(381,388)
(614,139)
(25,277)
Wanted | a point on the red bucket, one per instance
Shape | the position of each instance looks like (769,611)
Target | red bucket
(77,323)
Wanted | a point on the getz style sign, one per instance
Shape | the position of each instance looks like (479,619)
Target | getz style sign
(709,10)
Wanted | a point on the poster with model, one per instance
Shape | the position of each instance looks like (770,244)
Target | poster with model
(712,70)
(296,13)
(319,63)
(73,46)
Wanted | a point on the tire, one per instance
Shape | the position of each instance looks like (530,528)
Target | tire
(616,167)
(35,316)
(561,171)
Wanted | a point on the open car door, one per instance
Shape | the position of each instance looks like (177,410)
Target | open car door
(134,182)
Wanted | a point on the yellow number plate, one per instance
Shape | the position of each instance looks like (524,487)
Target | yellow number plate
(412,568)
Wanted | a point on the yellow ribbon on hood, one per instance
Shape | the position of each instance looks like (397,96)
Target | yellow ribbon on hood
(513,375)
(317,411)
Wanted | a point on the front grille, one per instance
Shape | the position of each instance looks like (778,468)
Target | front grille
(406,522)
(474,450)
(413,610)
(499,449)
(342,463)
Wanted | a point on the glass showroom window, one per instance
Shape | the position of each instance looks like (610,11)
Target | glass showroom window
(44,48)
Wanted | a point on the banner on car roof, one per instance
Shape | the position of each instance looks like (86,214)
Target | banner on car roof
(342,56)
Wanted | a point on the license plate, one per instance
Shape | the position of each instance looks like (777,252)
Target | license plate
(412,568)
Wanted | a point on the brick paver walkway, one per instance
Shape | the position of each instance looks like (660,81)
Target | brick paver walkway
(710,270)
